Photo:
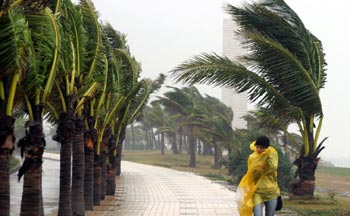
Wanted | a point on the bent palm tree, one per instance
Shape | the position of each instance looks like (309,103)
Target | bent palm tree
(185,103)
(217,125)
(74,86)
(35,87)
(14,49)
(283,71)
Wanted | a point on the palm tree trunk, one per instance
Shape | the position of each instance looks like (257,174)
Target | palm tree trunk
(158,141)
(89,179)
(174,146)
(64,135)
(192,148)
(97,180)
(118,160)
(5,184)
(110,176)
(30,205)
(132,135)
(65,204)
(41,202)
(78,169)
(154,141)
(217,156)
(6,148)
(90,138)
(103,175)
(32,145)
(304,185)
(180,141)
(306,166)
(147,140)
(120,151)
(162,143)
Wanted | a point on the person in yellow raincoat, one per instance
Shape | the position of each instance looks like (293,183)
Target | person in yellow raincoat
(259,186)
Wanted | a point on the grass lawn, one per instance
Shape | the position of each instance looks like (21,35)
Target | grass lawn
(332,196)
(177,162)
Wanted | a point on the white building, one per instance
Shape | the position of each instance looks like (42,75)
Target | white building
(238,102)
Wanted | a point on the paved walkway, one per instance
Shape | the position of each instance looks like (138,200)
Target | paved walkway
(144,190)
(155,191)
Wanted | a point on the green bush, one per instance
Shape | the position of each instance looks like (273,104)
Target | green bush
(237,166)
(285,170)
(237,163)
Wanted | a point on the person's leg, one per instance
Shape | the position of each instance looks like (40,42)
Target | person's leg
(258,209)
(270,207)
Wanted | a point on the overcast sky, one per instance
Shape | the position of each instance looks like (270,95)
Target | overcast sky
(163,33)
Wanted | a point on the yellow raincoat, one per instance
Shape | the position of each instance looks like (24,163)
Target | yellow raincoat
(259,184)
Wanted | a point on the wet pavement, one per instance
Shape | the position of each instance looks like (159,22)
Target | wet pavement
(142,190)
(155,191)
(50,187)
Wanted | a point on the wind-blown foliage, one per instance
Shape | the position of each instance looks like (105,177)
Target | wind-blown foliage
(14,56)
(284,69)
(14,45)
(58,62)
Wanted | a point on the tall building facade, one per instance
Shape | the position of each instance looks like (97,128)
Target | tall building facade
(237,101)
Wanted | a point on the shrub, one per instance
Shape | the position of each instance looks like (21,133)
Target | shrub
(237,166)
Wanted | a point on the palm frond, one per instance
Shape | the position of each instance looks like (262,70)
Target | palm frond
(14,56)
(44,54)
(72,23)
(127,69)
(14,43)
(115,38)
(221,71)
(89,93)
(52,70)
(92,26)
(283,51)
(140,99)
(171,104)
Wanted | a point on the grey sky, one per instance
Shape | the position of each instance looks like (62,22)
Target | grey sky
(164,33)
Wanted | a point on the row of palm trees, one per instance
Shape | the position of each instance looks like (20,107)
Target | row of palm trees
(171,116)
(59,63)
(183,115)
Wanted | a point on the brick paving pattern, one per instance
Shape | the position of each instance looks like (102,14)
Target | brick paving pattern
(144,190)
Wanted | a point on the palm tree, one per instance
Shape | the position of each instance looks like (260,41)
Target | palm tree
(169,129)
(16,59)
(80,59)
(147,123)
(217,124)
(184,103)
(89,73)
(136,92)
(14,46)
(122,74)
(61,112)
(283,71)
(35,88)
(157,116)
